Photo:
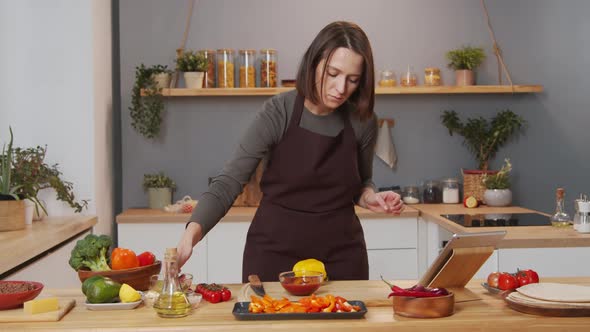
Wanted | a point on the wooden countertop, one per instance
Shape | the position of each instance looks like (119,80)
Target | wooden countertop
(234,214)
(488,314)
(17,247)
(517,237)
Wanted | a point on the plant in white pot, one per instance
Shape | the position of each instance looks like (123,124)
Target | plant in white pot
(464,61)
(159,188)
(194,65)
(161,76)
(497,185)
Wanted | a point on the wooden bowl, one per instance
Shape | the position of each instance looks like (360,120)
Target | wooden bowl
(424,307)
(137,277)
(10,300)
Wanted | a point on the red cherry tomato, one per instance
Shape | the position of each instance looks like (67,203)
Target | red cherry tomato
(225,294)
(215,297)
(507,281)
(534,276)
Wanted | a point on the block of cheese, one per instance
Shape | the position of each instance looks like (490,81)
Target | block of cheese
(41,305)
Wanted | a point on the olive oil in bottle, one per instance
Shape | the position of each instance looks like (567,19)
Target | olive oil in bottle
(172,301)
(560,218)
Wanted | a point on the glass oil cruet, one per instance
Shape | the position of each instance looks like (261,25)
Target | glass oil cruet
(172,302)
(560,218)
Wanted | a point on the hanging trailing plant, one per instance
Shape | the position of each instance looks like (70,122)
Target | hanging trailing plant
(146,111)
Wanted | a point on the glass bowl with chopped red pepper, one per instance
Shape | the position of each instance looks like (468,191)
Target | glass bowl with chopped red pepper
(301,283)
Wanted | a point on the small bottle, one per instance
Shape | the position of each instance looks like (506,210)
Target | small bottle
(268,68)
(450,191)
(172,302)
(560,218)
(209,55)
(225,68)
(247,70)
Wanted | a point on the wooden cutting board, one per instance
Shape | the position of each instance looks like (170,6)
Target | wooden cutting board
(18,315)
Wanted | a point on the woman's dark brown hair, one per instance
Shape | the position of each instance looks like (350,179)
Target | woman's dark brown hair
(333,36)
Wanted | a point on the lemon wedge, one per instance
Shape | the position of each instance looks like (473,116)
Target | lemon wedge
(128,294)
(310,264)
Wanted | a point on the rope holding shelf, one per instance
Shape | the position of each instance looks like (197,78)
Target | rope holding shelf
(180,50)
(497,49)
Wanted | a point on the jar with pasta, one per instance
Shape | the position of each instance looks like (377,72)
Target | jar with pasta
(247,69)
(432,76)
(268,68)
(225,68)
(209,81)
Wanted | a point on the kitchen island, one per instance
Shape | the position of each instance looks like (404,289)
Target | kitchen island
(488,314)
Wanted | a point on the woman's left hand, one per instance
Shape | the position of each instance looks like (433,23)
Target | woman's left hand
(384,202)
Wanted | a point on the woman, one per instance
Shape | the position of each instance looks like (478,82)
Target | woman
(319,143)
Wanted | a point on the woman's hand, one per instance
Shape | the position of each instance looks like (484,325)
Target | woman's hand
(192,235)
(383,202)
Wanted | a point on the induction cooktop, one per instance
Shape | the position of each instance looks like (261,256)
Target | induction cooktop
(499,219)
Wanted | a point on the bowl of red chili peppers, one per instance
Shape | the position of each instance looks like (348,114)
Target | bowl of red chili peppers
(422,302)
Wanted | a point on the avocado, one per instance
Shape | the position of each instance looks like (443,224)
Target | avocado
(102,290)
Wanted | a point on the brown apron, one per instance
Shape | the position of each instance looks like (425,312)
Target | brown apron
(307,209)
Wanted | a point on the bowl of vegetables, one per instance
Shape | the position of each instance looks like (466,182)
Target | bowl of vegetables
(90,258)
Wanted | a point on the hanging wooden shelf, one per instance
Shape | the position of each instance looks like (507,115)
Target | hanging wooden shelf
(474,89)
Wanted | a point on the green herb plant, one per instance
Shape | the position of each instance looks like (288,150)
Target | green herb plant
(146,111)
(466,57)
(500,180)
(191,61)
(484,138)
(159,180)
(161,69)
(31,174)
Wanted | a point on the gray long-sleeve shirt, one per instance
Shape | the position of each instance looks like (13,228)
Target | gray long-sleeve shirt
(262,136)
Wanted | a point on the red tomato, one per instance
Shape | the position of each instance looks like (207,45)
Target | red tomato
(225,294)
(146,258)
(507,281)
(534,276)
(215,297)
(493,279)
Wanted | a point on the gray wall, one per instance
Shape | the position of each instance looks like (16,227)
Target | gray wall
(543,42)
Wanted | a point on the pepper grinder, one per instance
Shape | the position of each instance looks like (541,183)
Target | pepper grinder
(584,216)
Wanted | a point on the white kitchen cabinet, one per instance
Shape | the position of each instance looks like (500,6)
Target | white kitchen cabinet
(52,267)
(548,262)
(156,237)
(225,250)
(393,264)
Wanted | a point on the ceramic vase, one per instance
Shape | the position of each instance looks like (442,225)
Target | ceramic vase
(194,80)
(162,80)
(464,77)
(159,197)
(497,197)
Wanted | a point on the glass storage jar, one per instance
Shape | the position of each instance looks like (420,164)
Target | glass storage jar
(387,79)
(225,68)
(409,78)
(432,76)
(431,193)
(268,68)
(209,81)
(411,195)
(450,191)
(247,69)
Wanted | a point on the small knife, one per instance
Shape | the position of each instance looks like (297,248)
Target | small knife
(256,285)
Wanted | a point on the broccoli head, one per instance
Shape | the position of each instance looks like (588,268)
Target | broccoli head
(91,252)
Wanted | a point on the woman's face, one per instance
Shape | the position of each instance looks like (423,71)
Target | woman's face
(343,74)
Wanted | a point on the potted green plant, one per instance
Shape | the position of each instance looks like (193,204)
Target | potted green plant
(159,188)
(497,186)
(161,75)
(12,208)
(464,61)
(146,110)
(483,138)
(194,65)
(32,174)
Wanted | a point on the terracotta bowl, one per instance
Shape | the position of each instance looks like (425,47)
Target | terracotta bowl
(15,300)
(137,277)
(424,307)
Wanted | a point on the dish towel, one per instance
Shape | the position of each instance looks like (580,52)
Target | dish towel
(384,148)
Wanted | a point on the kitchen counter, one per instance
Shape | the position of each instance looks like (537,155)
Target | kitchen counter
(488,314)
(516,237)
(17,247)
(234,214)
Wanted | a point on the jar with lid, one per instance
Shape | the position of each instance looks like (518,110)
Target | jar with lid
(432,76)
(411,195)
(409,78)
(450,191)
(209,81)
(387,79)
(225,68)
(247,69)
(431,193)
(268,68)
